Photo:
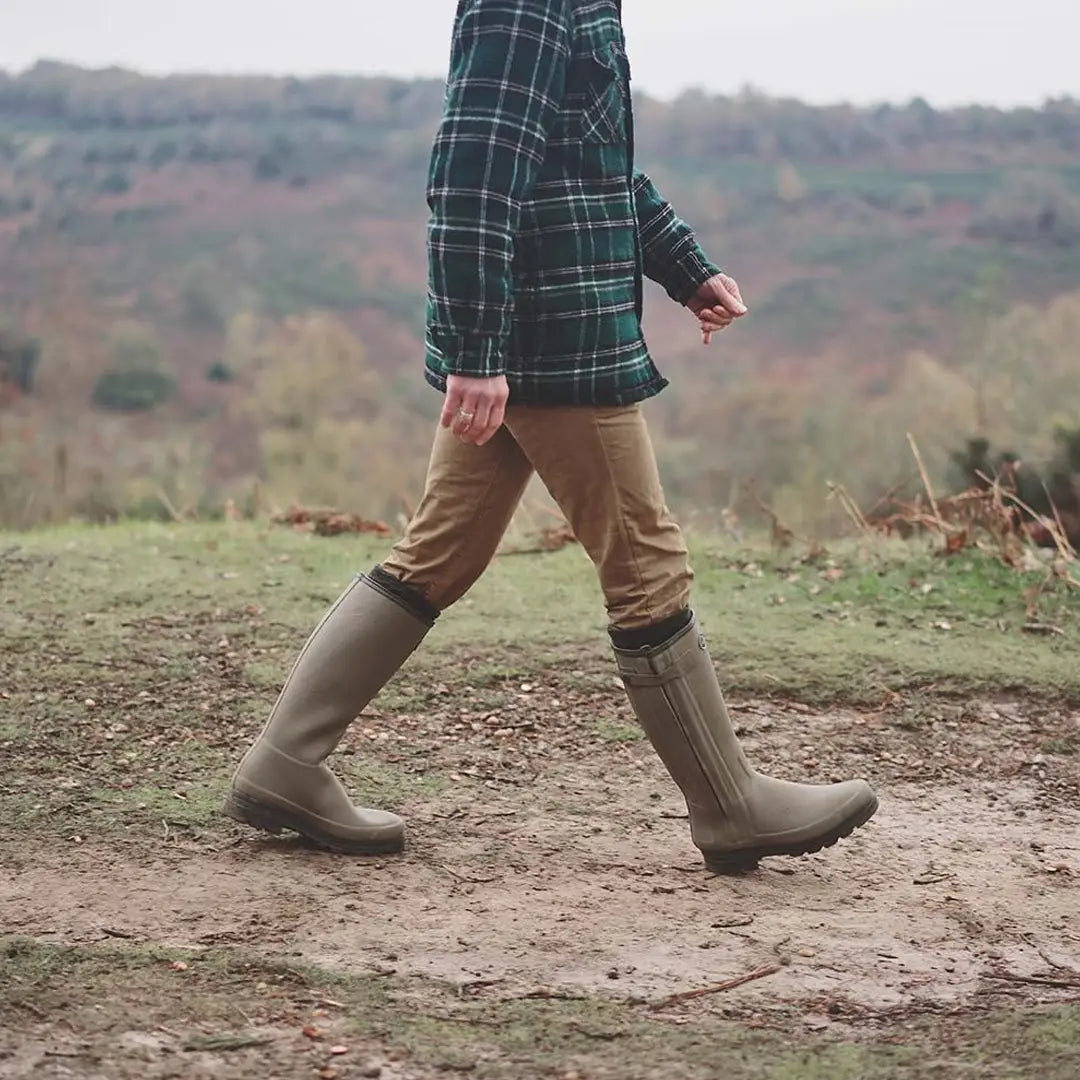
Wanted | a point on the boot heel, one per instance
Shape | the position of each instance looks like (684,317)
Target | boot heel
(737,863)
(247,811)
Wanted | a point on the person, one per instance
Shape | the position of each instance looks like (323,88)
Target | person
(541,230)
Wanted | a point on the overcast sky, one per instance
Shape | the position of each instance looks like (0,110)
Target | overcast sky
(948,51)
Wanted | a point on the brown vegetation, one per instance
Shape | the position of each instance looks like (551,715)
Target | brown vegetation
(213,290)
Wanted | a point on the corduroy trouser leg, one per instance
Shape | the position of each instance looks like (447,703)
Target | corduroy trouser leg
(599,466)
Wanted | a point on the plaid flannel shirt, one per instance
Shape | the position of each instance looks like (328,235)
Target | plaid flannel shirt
(541,228)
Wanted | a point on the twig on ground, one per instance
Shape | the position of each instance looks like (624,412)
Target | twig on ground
(1067,982)
(480,1021)
(545,993)
(467,880)
(477,984)
(718,988)
(221,1043)
(602,1036)
(1057,965)
(33,1010)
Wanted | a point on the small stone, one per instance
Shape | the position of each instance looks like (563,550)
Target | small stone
(372,1069)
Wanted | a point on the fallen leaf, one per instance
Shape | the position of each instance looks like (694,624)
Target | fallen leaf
(339,1050)
(310,1031)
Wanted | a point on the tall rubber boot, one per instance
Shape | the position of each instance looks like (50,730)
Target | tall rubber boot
(283,781)
(737,816)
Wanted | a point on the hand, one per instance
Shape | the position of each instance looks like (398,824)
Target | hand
(475,408)
(717,304)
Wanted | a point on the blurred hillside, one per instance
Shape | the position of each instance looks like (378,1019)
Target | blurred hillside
(212,288)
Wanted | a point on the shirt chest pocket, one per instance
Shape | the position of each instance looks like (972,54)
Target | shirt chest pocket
(597,92)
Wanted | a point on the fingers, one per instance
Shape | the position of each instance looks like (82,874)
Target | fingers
(475,408)
(496,416)
(451,404)
(465,416)
(476,428)
(716,318)
(733,288)
(726,299)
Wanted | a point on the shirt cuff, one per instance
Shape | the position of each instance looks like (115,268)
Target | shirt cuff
(479,356)
(688,271)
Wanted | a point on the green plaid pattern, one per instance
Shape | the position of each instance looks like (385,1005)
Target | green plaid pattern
(540,228)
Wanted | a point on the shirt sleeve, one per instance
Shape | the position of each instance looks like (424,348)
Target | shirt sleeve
(506,85)
(671,254)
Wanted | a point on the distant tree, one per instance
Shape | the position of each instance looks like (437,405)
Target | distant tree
(1034,208)
(268,166)
(133,391)
(137,380)
(115,183)
(220,372)
(19,360)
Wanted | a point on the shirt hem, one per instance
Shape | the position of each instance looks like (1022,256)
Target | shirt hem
(560,395)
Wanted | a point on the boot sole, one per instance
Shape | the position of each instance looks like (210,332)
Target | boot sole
(275,820)
(740,862)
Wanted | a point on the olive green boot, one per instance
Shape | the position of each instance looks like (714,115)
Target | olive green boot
(737,816)
(283,781)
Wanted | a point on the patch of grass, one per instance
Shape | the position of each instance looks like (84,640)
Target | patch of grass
(1066,746)
(613,732)
(847,1062)
(225,1001)
(389,785)
(892,620)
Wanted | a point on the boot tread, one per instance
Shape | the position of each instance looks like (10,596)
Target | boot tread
(276,820)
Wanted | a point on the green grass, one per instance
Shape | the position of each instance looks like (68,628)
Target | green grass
(140,660)
(236,599)
(227,1001)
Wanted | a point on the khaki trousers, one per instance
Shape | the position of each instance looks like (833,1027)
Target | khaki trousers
(600,468)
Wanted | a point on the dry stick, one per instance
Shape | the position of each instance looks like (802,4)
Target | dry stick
(689,995)
(926,481)
(781,533)
(849,506)
(168,504)
(1061,540)
(467,880)
(1060,524)
(890,494)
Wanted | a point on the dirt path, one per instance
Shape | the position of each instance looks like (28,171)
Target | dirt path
(592,885)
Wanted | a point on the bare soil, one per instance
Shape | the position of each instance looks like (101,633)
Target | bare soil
(582,879)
